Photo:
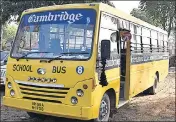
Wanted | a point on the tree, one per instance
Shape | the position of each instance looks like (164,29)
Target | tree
(8,35)
(138,13)
(161,12)
(9,31)
(16,7)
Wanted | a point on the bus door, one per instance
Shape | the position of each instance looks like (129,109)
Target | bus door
(125,38)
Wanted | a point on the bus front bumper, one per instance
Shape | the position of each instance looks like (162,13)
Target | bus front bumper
(53,109)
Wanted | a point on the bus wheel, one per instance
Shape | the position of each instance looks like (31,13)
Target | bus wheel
(104,110)
(153,89)
(35,115)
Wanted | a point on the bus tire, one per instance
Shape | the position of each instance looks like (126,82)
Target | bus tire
(153,90)
(35,115)
(104,110)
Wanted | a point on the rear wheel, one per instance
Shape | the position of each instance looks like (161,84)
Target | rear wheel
(153,89)
(104,110)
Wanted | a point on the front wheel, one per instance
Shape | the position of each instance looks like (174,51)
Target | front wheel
(104,110)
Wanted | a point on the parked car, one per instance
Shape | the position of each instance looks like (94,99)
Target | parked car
(3,59)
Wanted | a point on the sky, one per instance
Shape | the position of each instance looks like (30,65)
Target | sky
(126,6)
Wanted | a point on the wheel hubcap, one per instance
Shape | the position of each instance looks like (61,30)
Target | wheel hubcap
(103,110)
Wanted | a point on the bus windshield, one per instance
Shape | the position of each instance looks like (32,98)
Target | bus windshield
(52,33)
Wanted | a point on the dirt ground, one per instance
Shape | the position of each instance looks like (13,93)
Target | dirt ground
(159,107)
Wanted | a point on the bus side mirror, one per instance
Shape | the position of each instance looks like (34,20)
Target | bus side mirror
(5,60)
(105,49)
(115,37)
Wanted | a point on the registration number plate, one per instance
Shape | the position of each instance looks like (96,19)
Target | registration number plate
(38,106)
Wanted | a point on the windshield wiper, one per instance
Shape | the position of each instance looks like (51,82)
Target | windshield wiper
(62,54)
(56,58)
(75,53)
(28,54)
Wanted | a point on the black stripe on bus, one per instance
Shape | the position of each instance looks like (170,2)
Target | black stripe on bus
(43,87)
(35,94)
(43,100)
(43,91)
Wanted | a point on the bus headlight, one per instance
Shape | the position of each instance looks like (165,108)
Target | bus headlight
(9,85)
(74,100)
(80,92)
(12,92)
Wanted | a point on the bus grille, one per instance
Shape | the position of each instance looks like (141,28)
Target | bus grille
(44,94)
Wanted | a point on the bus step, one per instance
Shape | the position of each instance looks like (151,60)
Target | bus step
(122,102)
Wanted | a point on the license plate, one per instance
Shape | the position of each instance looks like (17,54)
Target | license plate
(38,106)
(3,73)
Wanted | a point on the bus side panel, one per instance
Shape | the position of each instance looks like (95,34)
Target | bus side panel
(139,78)
(99,92)
(160,66)
(113,78)
(163,68)
(142,75)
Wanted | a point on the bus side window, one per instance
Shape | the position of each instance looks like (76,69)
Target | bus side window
(137,37)
(124,24)
(133,39)
(109,25)
(154,41)
(165,43)
(106,34)
(146,39)
(165,46)
(161,43)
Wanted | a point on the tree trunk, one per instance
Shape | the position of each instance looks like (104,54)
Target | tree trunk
(170,26)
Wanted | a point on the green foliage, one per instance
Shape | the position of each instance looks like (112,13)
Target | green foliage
(8,34)
(162,13)
(136,12)
(16,7)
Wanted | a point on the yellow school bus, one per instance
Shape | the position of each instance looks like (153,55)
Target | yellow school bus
(82,61)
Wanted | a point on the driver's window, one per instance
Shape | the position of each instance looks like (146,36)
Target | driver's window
(106,34)
(108,31)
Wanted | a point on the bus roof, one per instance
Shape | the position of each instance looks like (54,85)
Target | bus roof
(101,7)
(64,6)
(123,15)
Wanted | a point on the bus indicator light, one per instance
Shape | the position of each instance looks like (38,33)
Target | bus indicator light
(85,86)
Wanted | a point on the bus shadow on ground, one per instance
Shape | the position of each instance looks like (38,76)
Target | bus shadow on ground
(60,119)
(56,119)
